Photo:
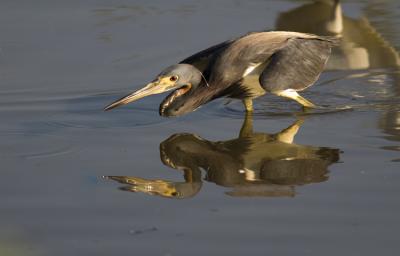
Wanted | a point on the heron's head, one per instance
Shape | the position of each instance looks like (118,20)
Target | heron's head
(181,78)
(183,150)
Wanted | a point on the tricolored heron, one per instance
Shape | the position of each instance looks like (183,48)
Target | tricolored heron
(279,62)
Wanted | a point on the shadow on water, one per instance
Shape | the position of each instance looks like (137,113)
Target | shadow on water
(254,164)
(362,49)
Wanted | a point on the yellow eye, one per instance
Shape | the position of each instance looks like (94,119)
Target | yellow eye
(173,78)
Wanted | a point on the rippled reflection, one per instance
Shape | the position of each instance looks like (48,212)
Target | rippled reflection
(361,48)
(254,164)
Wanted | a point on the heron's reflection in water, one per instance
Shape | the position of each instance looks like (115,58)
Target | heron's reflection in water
(254,164)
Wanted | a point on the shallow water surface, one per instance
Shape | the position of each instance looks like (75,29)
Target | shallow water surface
(80,181)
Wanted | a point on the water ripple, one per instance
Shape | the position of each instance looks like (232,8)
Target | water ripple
(373,90)
(32,145)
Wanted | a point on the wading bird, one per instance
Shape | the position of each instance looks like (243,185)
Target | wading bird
(280,63)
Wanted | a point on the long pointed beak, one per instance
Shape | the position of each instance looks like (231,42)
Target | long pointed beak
(145,91)
(151,88)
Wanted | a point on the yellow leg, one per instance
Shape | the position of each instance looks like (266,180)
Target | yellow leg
(292,94)
(248,104)
(247,126)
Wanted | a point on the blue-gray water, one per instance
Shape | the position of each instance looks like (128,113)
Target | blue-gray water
(61,63)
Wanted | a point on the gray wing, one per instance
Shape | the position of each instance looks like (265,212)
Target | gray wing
(202,59)
(297,65)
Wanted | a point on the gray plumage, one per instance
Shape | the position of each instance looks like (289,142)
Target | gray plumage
(297,65)
(295,60)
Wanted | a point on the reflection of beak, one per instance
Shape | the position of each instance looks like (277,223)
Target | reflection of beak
(159,86)
(153,187)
